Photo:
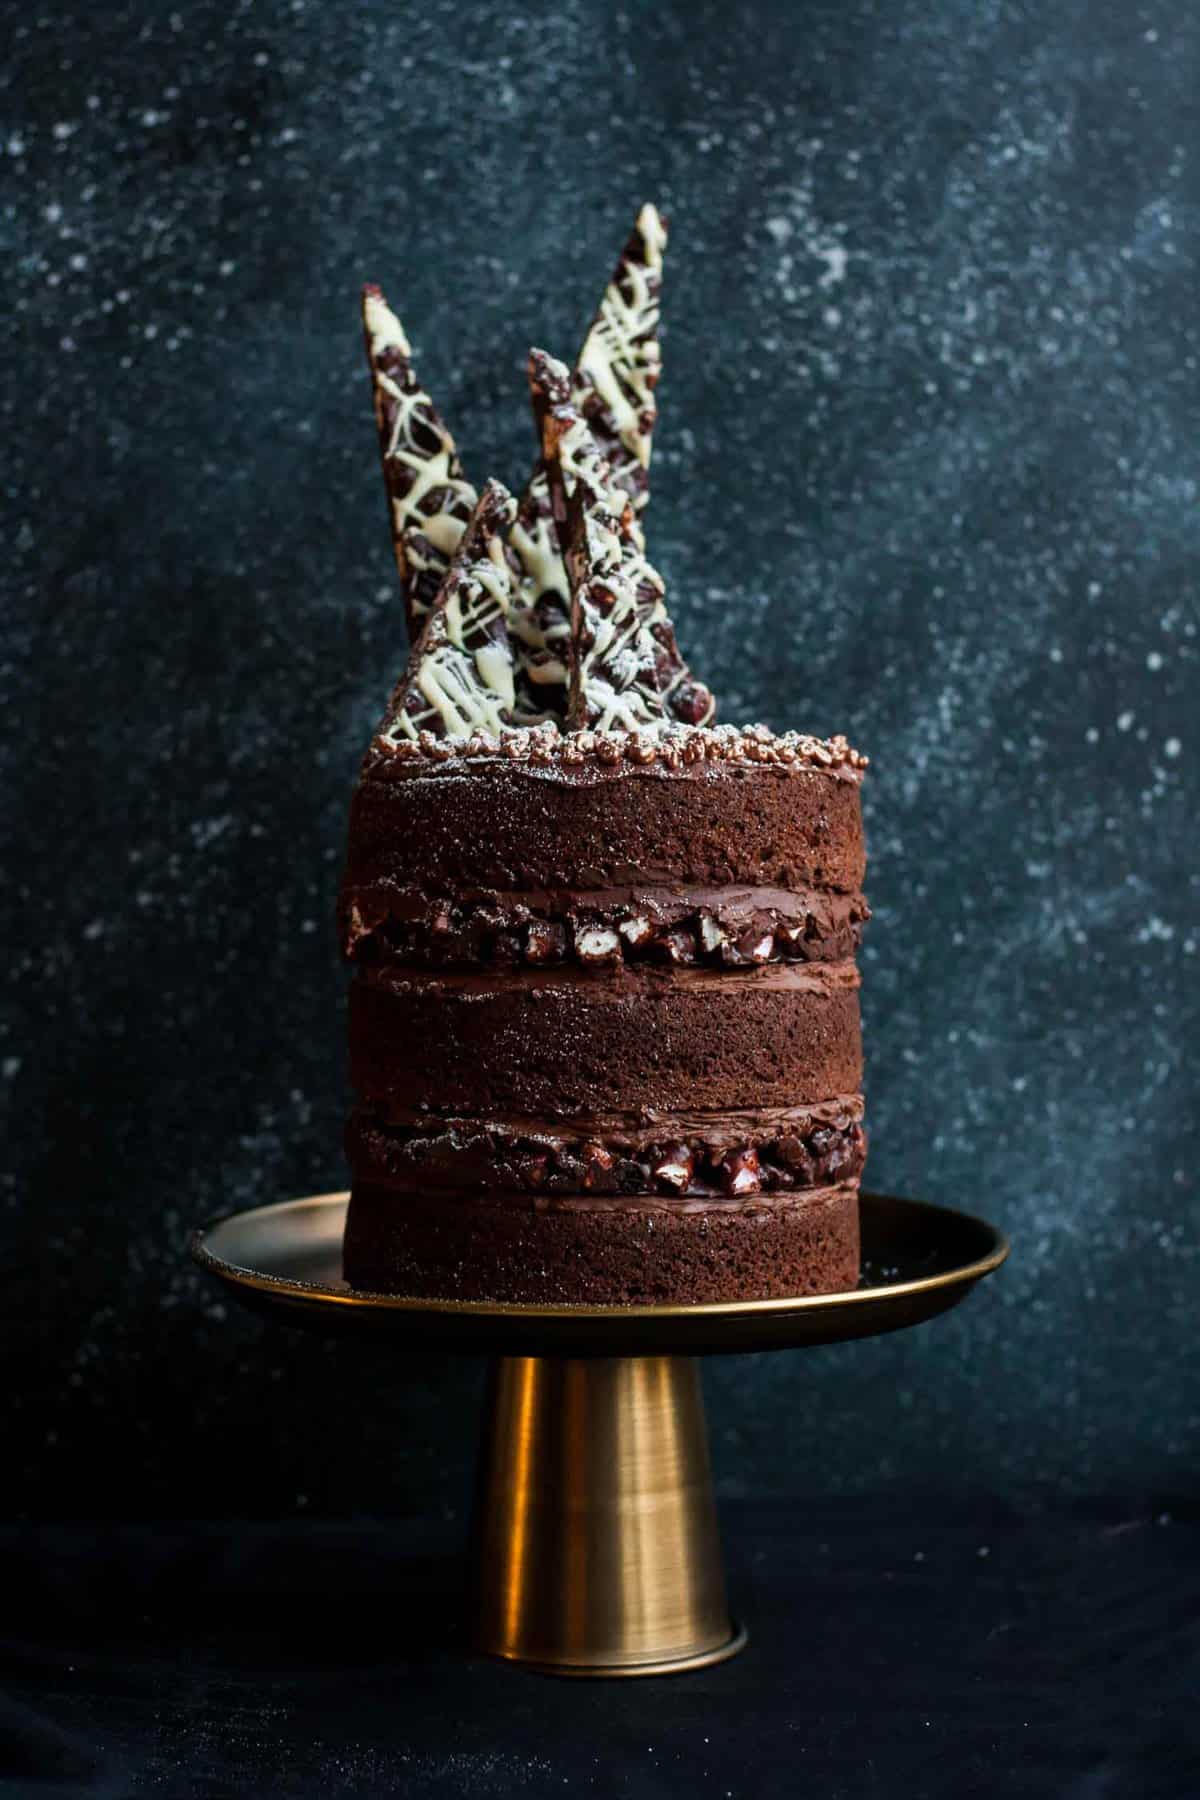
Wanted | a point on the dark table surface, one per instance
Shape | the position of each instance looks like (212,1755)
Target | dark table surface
(895,1649)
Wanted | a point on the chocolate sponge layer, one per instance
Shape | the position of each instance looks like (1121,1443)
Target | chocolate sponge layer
(571,1042)
(602,1252)
(512,826)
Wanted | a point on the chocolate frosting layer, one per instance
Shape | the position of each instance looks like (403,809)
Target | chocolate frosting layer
(773,1151)
(730,927)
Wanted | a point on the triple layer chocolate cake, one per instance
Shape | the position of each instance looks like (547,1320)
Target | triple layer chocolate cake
(604,1024)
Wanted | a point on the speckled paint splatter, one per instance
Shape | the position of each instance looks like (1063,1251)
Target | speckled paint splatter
(930,450)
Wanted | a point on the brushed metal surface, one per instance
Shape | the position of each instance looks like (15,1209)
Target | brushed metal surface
(596,1546)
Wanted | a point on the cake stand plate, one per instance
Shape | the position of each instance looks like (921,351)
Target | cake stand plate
(595,1546)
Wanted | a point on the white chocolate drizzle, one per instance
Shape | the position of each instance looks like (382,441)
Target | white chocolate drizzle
(612,384)
(612,387)
(429,497)
(613,668)
(609,542)
(617,370)
(460,677)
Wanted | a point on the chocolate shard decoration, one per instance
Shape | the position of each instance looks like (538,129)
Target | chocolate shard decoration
(540,621)
(613,667)
(617,370)
(613,670)
(555,416)
(429,497)
(619,619)
(459,678)
(612,384)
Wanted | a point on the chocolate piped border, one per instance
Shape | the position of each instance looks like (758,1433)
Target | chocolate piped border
(791,1150)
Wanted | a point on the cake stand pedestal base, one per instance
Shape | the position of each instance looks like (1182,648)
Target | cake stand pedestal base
(596,1546)
(596,1549)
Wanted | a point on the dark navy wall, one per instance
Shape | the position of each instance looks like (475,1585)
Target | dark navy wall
(928,467)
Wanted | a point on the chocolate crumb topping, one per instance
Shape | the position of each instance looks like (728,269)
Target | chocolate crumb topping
(671,746)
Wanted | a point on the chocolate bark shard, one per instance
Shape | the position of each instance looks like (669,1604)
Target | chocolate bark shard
(613,667)
(540,621)
(617,370)
(607,574)
(460,676)
(612,384)
(429,497)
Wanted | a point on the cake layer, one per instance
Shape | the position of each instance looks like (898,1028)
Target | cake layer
(517,826)
(724,927)
(602,1252)
(775,1149)
(622,1039)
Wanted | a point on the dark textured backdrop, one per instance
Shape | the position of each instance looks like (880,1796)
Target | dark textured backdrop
(927,472)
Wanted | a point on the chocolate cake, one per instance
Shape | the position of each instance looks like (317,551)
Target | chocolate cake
(604,1028)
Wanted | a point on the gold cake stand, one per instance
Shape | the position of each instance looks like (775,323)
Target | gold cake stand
(595,1547)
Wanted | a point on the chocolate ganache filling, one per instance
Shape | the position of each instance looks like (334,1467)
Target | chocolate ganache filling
(774,1150)
(731,927)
